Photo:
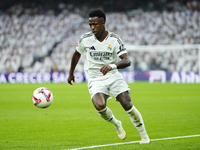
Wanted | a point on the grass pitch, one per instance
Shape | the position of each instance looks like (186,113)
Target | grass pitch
(168,110)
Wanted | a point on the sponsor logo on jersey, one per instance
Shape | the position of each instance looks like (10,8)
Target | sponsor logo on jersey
(109,47)
(101,55)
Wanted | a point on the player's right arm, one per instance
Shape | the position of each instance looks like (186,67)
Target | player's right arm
(75,58)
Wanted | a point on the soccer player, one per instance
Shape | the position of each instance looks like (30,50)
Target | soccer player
(102,49)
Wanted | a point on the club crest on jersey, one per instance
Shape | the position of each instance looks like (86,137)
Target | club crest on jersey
(109,47)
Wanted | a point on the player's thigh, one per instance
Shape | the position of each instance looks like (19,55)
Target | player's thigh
(125,100)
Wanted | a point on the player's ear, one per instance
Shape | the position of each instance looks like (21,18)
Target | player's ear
(103,21)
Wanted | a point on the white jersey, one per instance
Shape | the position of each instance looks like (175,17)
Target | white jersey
(99,53)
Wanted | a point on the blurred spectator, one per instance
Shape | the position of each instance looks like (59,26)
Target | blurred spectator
(41,36)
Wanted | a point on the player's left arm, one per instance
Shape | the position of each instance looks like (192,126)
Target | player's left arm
(123,63)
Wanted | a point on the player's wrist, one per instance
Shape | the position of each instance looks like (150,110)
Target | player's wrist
(71,73)
(113,66)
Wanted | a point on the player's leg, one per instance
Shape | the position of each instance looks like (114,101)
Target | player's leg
(99,101)
(135,116)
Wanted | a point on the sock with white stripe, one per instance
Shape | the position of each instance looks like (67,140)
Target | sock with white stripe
(107,115)
(137,121)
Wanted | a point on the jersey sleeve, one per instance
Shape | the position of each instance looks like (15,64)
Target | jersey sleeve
(120,47)
(80,47)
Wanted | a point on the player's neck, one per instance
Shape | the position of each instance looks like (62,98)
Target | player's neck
(103,36)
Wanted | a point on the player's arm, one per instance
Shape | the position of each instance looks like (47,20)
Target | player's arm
(123,63)
(75,58)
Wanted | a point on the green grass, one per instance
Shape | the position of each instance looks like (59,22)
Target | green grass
(168,110)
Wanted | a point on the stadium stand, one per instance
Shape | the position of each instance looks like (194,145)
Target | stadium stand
(40,36)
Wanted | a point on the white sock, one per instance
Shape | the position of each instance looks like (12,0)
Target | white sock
(107,115)
(137,121)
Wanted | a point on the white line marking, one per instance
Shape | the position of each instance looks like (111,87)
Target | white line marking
(114,144)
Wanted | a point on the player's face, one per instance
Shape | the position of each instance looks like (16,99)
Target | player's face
(97,26)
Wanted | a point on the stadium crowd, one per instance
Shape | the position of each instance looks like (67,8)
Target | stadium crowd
(42,39)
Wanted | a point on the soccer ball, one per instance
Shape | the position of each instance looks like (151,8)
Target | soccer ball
(42,97)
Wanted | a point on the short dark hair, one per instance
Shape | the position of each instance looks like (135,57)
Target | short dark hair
(97,13)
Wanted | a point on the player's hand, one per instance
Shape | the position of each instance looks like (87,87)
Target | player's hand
(105,69)
(70,79)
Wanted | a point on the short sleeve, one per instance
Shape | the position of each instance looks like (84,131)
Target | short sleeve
(120,47)
(79,47)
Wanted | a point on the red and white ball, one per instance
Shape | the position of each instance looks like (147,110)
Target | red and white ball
(42,97)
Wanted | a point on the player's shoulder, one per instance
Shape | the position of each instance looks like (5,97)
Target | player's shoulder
(114,36)
(85,36)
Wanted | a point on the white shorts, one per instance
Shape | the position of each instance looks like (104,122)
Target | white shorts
(114,83)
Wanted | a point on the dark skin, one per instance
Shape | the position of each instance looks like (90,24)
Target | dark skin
(97,26)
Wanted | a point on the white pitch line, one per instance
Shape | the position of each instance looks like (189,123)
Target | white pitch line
(114,144)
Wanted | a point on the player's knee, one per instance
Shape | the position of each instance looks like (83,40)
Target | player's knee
(127,106)
(99,101)
(99,105)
